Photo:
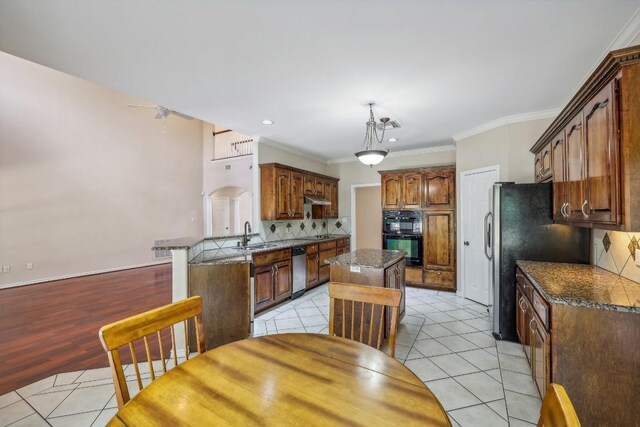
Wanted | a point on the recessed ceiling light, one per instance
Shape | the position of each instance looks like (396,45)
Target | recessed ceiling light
(393,139)
(267,122)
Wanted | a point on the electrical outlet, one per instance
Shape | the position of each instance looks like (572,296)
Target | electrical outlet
(29,266)
(6,269)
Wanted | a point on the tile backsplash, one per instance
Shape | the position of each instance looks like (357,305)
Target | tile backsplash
(615,251)
(292,229)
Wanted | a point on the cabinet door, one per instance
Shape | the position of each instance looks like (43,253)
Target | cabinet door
(411,190)
(439,240)
(538,167)
(282,280)
(402,285)
(545,163)
(263,283)
(601,146)
(528,318)
(309,185)
(334,200)
(439,189)
(559,183)
(540,355)
(521,314)
(283,190)
(312,270)
(297,197)
(391,191)
(319,187)
(575,169)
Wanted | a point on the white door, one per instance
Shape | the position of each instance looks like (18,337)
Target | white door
(476,188)
(221,216)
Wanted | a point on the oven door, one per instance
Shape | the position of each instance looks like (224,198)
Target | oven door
(411,244)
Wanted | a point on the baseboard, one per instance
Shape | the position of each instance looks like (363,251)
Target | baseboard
(86,273)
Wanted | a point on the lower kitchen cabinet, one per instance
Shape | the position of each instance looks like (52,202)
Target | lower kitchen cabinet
(313,258)
(327,250)
(592,351)
(272,278)
(395,279)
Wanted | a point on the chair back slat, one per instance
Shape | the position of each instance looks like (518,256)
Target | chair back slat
(366,325)
(141,327)
(557,409)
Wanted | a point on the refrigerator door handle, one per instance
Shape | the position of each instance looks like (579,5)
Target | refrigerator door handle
(488,249)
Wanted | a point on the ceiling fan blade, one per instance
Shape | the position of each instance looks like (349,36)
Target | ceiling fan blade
(141,106)
(184,116)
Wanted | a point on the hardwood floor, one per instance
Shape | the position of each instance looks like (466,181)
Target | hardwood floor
(52,327)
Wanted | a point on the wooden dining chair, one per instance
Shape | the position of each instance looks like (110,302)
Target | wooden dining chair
(357,312)
(145,325)
(557,409)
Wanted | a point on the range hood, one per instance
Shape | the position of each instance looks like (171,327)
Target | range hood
(313,200)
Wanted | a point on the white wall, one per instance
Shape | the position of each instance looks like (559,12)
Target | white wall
(88,184)
(357,173)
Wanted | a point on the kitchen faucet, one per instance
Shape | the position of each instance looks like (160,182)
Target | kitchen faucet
(246,238)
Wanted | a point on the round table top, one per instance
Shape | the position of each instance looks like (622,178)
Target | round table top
(287,379)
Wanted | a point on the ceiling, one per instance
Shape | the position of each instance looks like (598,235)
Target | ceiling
(437,67)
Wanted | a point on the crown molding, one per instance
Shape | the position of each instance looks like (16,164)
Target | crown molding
(516,118)
(403,153)
(289,149)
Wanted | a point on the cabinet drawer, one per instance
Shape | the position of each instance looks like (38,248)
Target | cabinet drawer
(270,257)
(341,243)
(438,278)
(542,308)
(526,285)
(413,275)
(327,245)
(325,255)
(312,249)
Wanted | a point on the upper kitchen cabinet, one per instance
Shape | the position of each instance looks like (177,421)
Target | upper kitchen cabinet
(401,190)
(594,150)
(283,190)
(439,188)
(543,165)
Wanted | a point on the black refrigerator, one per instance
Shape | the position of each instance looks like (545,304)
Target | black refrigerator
(520,227)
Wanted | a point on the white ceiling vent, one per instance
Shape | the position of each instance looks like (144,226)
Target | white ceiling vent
(391,124)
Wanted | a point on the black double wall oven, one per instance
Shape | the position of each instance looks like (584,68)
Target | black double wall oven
(402,230)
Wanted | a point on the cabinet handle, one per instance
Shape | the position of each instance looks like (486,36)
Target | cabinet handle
(522,304)
(273,270)
(562,211)
(586,215)
(531,327)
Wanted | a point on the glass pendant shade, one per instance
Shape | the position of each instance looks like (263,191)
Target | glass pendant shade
(371,157)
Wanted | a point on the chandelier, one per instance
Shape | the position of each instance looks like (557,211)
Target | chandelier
(373,152)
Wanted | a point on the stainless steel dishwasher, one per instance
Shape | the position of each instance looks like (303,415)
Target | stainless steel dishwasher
(299,279)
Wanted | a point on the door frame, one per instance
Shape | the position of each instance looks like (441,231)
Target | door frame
(461,291)
(353,210)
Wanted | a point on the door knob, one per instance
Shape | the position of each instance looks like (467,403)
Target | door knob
(466,243)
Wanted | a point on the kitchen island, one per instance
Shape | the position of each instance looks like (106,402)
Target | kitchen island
(579,325)
(372,267)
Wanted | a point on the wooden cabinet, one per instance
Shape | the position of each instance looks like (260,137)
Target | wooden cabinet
(532,332)
(439,248)
(395,279)
(543,164)
(283,188)
(439,188)
(600,186)
(272,278)
(313,258)
(343,246)
(559,177)
(391,191)
(402,190)
(327,250)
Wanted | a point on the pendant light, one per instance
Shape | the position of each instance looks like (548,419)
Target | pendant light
(373,154)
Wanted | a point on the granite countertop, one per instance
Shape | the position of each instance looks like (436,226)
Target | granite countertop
(372,258)
(582,285)
(187,242)
(232,254)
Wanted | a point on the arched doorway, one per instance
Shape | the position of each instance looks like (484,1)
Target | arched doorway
(229,208)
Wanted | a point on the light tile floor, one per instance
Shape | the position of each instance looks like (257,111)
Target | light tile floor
(444,339)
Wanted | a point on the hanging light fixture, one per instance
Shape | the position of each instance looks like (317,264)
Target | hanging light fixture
(373,154)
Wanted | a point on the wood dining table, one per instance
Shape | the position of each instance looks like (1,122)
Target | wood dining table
(286,380)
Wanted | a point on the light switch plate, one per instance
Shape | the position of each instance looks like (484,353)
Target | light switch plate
(637,257)
(354,269)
